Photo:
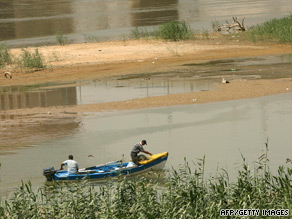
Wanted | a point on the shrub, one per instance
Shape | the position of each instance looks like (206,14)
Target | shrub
(61,38)
(277,29)
(175,31)
(5,57)
(31,60)
(139,33)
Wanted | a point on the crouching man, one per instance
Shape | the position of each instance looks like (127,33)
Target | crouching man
(137,149)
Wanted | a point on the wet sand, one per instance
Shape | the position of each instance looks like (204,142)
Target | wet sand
(82,62)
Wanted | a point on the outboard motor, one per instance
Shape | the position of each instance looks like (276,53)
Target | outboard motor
(49,173)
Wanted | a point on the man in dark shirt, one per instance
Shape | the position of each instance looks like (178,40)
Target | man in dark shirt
(136,149)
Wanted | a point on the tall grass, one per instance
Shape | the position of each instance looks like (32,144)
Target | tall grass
(26,59)
(174,30)
(5,56)
(138,33)
(279,30)
(31,60)
(61,38)
(184,194)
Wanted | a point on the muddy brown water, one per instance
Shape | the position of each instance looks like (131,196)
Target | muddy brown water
(32,22)
(220,131)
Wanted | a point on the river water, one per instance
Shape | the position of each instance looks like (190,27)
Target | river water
(32,22)
(220,131)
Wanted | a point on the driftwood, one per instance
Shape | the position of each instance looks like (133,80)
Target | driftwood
(235,25)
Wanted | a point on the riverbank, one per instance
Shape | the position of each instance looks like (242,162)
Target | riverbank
(88,61)
(83,62)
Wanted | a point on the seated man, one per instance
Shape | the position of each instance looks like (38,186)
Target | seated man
(72,165)
(136,149)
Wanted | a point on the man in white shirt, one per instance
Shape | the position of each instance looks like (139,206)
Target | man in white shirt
(72,165)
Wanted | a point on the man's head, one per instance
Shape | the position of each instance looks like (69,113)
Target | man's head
(70,157)
(144,142)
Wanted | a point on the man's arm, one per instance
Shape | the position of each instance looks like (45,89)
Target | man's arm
(62,165)
(146,152)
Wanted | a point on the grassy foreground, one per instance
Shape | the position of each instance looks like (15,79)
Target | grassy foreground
(183,194)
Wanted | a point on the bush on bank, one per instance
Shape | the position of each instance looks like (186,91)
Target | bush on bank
(26,59)
(5,56)
(183,194)
(31,60)
(174,30)
(279,30)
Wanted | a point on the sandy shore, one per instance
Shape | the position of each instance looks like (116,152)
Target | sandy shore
(99,60)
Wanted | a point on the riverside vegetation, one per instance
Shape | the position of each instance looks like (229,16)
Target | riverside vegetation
(276,30)
(26,59)
(279,30)
(182,194)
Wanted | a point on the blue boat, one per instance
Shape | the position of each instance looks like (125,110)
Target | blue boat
(112,169)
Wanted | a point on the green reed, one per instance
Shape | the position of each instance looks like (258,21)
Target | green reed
(31,59)
(174,30)
(279,30)
(5,56)
(185,193)
(61,38)
(139,32)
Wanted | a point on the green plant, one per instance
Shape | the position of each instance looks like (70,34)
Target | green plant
(205,34)
(175,31)
(5,57)
(61,38)
(215,25)
(139,33)
(279,30)
(31,60)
